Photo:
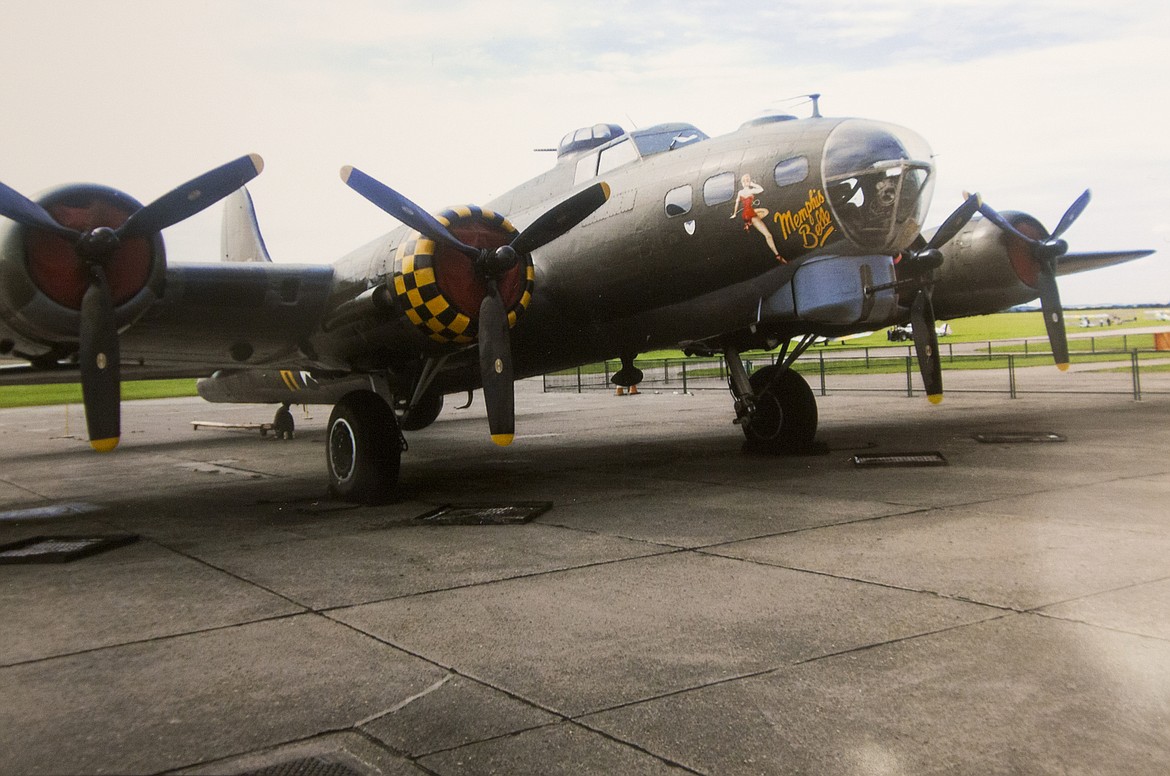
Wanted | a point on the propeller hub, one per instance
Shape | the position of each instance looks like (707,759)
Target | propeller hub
(1051,249)
(495,263)
(927,259)
(97,244)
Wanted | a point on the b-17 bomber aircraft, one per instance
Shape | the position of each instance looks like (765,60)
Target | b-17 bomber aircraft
(773,236)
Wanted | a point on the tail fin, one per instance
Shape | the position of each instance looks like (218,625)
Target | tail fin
(240,239)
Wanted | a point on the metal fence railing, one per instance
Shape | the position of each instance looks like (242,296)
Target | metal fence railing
(1013,372)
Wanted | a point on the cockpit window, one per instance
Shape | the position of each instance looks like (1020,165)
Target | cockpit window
(878,181)
(666,137)
(616,155)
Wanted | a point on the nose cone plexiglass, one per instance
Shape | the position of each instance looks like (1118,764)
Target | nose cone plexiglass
(878,178)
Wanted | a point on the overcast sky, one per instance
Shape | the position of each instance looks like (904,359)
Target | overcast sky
(1027,103)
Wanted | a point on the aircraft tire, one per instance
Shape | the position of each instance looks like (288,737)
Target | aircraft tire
(424,414)
(785,419)
(362,449)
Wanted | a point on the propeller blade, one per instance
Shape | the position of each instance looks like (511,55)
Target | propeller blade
(956,221)
(390,201)
(1072,214)
(926,345)
(192,197)
(561,218)
(993,215)
(495,366)
(24,211)
(99,356)
(1053,317)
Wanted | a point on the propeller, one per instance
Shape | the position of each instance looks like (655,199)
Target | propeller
(495,349)
(922,264)
(98,350)
(1046,252)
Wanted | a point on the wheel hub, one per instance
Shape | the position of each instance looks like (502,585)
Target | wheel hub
(342,450)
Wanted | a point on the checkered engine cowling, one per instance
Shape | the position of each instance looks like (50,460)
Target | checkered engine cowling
(438,287)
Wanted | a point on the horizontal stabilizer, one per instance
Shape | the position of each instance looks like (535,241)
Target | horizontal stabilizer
(240,239)
(1071,263)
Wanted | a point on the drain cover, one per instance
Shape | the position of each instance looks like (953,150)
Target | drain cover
(306,766)
(60,549)
(485,514)
(867,460)
(1011,437)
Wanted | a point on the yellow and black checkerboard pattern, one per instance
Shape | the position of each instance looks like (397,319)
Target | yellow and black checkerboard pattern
(417,287)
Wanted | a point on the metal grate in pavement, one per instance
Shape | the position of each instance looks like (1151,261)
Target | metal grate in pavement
(872,460)
(306,766)
(485,514)
(1017,437)
(60,549)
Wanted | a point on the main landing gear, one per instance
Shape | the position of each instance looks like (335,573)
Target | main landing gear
(363,450)
(775,406)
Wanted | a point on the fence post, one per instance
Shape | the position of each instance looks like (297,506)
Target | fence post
(1137,376)
(909,378)
(867,357)
(822,355)
(1012,375)
(684,376)
(578,379)
(989,350)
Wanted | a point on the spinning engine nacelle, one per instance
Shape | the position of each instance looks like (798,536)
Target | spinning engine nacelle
(43,278)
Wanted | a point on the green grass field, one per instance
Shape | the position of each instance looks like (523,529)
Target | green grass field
(70,393)
(981,328)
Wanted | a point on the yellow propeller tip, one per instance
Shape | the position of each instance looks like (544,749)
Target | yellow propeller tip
(935,398)
(503,440)
(1062,367)
(104,445)
(257,162)
(346,171)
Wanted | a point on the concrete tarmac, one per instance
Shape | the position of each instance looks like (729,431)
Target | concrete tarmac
(682,607)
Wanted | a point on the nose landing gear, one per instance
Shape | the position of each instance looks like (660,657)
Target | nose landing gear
(775,406)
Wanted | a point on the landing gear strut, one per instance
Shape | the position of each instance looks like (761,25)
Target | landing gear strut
(775,406)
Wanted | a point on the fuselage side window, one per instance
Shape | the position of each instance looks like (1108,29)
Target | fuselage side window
(719,188)
(678,201)
(790,171)
(586,168)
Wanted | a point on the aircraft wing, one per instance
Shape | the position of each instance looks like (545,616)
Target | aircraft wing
(1071,263)
(219,315)
(212,316)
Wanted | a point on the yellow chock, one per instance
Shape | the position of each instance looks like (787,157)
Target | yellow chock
(620,391)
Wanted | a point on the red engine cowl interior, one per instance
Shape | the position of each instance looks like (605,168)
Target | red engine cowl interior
(439,288)
(1020,253)
(53,264)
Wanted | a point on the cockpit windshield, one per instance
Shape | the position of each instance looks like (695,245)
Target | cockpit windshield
(878,179)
